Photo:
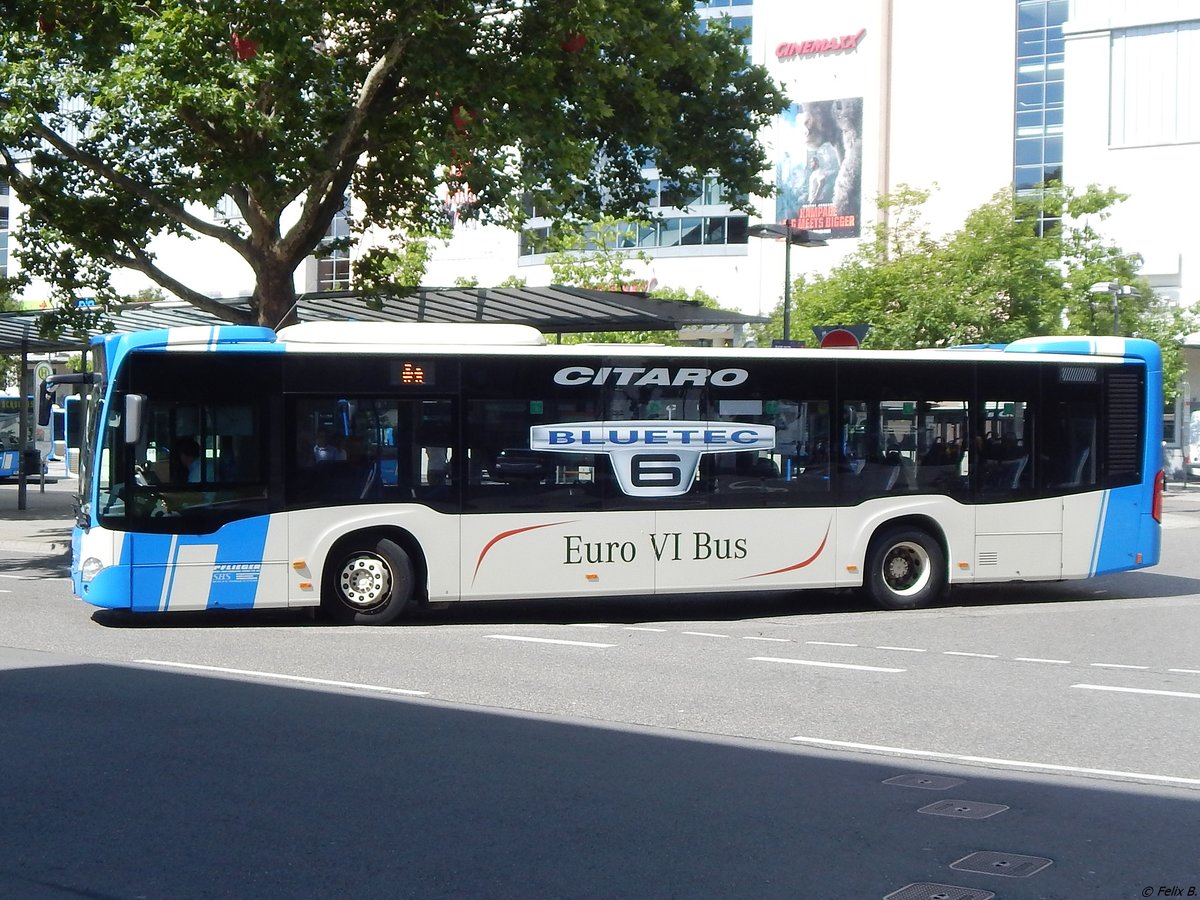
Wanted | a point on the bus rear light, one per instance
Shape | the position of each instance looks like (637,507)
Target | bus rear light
(1160,484)
(1138,559)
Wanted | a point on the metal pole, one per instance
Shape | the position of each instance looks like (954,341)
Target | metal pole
(1116,309)
(23,392)
(787,286)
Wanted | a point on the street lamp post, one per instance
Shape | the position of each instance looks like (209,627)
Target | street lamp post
(1116,291)
(789,235)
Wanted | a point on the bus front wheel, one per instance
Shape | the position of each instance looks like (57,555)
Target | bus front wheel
(368,583)
(906,569)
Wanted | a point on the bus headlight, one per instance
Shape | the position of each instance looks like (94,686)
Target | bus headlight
(90,569)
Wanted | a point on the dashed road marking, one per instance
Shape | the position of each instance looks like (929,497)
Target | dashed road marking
(973,655)
(643,628)
(823,665)
(1117,666)
(992,761)
(776,640)
(1129,690)
(276,676)
(537,640)
(829,644)
(705,634)
(1035,659)
(904,649)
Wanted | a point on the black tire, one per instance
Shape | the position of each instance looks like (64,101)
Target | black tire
(367,583)
(906,569)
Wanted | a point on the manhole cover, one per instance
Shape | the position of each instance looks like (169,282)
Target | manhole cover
(927,891)
(926,782)
(1010,865)
(963,809)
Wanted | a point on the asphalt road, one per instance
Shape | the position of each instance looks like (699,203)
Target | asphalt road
(727,747)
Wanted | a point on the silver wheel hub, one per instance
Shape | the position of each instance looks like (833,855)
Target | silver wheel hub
(906,568)
(365,580)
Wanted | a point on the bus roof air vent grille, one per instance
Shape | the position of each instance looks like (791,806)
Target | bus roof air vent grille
(1077,375)
(412,333)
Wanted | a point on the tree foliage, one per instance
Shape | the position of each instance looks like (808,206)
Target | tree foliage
(1003,275)
(121,121)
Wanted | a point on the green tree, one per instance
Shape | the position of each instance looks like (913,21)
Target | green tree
(1003,275)
(121,121)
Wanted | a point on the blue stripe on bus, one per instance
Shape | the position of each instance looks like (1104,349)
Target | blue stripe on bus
(1126,530)
(151,562)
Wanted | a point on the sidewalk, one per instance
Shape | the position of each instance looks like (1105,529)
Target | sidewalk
(44,526)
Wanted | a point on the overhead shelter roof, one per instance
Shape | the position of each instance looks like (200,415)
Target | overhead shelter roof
(554,310)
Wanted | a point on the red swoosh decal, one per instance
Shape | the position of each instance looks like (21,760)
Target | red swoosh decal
(799,565)
(507,534)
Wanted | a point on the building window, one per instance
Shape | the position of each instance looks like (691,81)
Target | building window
(1038,117)
(677,231)
(333,271)
(333,256)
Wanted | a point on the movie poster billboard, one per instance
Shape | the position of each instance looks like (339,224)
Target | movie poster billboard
(819,173)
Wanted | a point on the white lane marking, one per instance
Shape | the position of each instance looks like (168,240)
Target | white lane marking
(1118,666)
(823,665)
(1184,671)
(642,628)
(992,761)
(974,655)
(537,640)
(1057,662)
(705,634)
(904,649)
(278,677)
(829,644)
(588,625)
(1127,690)
(747,637)
(5,592)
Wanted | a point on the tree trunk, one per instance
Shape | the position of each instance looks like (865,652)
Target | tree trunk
(275,299)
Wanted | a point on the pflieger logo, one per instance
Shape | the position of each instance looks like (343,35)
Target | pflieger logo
(653,458)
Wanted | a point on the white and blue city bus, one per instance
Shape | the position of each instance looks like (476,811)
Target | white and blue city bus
(361,468)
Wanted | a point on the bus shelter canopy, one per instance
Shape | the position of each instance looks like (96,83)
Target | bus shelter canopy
(553,310)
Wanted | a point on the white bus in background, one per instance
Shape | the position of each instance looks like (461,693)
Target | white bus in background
(365,467)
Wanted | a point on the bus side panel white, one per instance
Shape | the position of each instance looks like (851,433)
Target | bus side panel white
(557,554)
(313,532)
(744,549)
(1081,541)
(1019,540)
(274,580)
(856,525)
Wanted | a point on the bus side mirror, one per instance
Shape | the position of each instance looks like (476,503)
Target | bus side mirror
(45,403)
(135,407)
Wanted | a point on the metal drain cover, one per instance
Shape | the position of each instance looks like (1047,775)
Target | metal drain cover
(926,782)
(1010,865)
(925,890)
(963,809)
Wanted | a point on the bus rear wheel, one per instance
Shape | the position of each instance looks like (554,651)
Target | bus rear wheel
(906,569)
(367,583)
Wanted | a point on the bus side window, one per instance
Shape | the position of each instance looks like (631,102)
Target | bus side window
(1004,445)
